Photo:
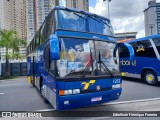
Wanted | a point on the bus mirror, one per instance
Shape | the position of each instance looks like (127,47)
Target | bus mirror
(54,48)
(130,49)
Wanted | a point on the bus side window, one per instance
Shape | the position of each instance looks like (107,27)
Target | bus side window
(157,43)
(42,35)
(123,52)
(143,48)
(47,57)
(48,27)
(52,67)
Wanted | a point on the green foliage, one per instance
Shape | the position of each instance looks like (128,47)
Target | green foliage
(9,39)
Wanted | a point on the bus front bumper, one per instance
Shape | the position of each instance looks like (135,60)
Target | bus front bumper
(88,99)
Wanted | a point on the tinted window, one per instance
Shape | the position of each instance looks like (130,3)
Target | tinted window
(157,43)
(37,40)
(143,49)
(47,28)
(42,35)
(123,52)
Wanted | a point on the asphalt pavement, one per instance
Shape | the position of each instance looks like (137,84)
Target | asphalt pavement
(18,95)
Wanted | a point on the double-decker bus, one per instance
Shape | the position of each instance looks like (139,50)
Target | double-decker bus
(71,59)
(146,64)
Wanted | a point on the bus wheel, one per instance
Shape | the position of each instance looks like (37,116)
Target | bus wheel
(43,89)
(150,78)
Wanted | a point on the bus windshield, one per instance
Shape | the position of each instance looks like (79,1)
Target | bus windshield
(77,21)
(76,53)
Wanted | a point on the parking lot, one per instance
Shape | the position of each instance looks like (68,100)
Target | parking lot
(18,95)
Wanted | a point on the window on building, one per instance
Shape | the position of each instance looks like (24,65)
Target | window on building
(74,3)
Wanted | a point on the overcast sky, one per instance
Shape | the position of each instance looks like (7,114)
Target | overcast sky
(125,15)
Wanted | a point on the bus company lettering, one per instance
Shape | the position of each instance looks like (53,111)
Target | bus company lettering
(128,63)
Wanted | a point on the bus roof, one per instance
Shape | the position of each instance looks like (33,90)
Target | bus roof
(143,38)
(80,11)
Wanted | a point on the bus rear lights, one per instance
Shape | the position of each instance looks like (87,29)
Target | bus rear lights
(116,86)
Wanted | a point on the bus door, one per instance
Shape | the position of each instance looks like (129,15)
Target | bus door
(127,59)
(125,62)
(33,70)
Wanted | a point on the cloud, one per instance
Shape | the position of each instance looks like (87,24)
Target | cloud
(125,15)
(63,3)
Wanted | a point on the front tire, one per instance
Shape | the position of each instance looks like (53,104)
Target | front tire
(150,78)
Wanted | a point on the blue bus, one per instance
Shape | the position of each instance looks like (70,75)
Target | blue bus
(146,64)
(72,59)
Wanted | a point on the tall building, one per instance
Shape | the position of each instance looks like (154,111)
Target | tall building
(36,11)
(152,18)
(30,18)
(78,4)
(12,16)
(5,15)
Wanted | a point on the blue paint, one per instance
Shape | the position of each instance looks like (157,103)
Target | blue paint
(54,84)
(140,63)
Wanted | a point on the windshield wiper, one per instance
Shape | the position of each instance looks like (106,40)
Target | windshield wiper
(89,64)
(104,65)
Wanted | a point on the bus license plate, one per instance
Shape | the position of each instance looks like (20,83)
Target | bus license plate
(96,99)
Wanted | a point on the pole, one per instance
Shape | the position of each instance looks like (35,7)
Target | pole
(151,27)
(108,11)
(108,8)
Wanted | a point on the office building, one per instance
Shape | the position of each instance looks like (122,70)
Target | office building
(36,11)
(126,35)
(78,4)
(152,18)
(12,16)
(5,15)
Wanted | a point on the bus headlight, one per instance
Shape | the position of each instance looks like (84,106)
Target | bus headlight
(67,92)
(76,91)
(116,86)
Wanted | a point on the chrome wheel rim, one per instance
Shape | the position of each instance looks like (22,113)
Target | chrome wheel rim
(150,78)
(43,91)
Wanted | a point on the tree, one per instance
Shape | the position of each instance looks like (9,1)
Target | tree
(9,39)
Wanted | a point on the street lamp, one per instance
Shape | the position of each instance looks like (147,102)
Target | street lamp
(108,8)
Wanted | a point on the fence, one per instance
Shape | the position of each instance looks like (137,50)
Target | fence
(16,69)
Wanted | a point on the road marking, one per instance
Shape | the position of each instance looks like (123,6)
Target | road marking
(1,93)
(10,85)
(132,101)
(46,110)
(113,103)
